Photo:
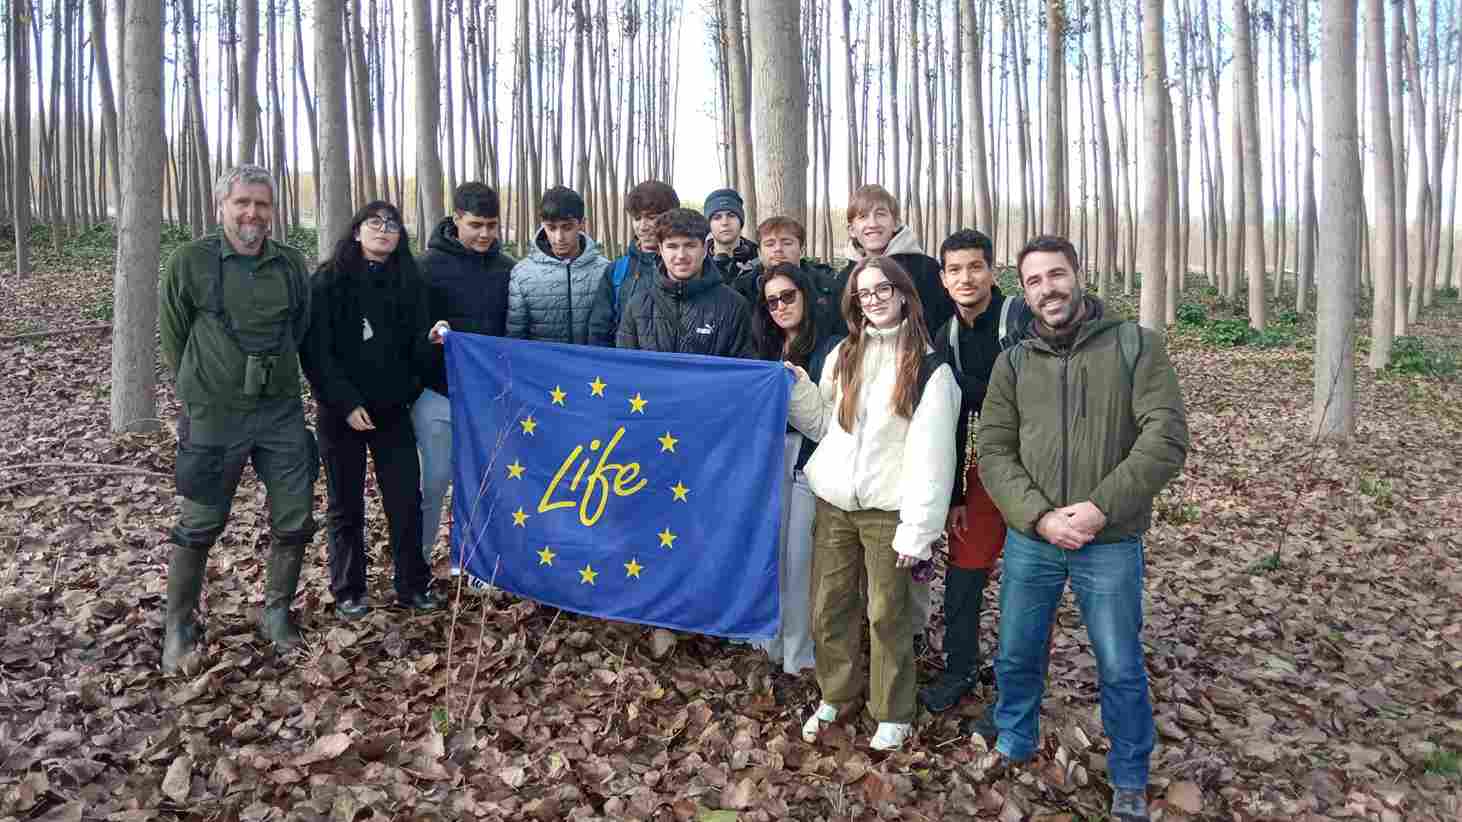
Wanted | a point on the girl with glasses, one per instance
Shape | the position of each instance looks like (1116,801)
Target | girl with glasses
(364,357)
(784,327)
(883,413)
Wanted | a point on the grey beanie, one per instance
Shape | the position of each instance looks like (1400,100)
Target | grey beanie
(725,199)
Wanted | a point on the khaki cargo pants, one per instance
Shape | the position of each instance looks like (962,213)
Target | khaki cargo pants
(849,549)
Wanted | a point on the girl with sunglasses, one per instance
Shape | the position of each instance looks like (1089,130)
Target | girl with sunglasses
(784,327)
(883,413)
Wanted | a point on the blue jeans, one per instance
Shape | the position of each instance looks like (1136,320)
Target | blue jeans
(1107,581)
(431,418)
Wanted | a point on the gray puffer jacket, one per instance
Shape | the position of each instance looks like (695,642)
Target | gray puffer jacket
(548,298)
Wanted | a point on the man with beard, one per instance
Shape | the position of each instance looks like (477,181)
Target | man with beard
(234,309)
(1082,426)
(985,322)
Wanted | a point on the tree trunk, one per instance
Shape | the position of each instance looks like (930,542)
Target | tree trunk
(134,289)
(913,205)
(973,120)
(1106,256)
(1056,177)
(20,20)
(780,95)
(333,181)
(428,152)
(360,104)
(741,102)
(1334,403)
(1383,234)
(1416,238)
(248,83)
(1398,149)
(1253,173)
(108,100)
(1308,227)
(1155,185)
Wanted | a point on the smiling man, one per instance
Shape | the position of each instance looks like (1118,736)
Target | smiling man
(551,291)
(234,311)
(689,310)
(1082,426)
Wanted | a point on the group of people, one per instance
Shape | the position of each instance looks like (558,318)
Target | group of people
(928,409)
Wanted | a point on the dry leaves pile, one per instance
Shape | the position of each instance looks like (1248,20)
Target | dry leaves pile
(1323,687)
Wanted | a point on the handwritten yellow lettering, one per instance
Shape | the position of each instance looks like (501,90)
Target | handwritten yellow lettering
(598,486)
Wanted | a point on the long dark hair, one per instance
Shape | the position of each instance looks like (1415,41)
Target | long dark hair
(913,342)
(767,335)
(348,257)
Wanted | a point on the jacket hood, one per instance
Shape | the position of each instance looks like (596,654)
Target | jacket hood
(745,251)
(1094,322)
(588,252)
(690,289)
(902,242)
(444,239)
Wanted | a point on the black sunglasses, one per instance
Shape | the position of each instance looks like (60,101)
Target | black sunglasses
(787,298)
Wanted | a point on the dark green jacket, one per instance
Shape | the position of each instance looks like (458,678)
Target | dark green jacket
(207,361)
(1070,427)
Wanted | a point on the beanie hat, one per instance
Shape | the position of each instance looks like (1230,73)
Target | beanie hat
(725,199)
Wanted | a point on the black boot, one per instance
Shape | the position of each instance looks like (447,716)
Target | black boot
(181,631)
(283,577)
(946,691)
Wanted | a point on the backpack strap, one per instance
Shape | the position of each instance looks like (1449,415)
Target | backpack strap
(954,342)
(927,366)
(1005,308)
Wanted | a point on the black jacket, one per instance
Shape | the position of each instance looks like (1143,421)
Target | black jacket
(367,340)
(627,277)
(979,346)
(740,261)
(697,316)
(467,289)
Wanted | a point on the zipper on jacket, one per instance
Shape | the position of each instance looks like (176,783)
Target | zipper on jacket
(568,273)
(1065,430)
(1083,392)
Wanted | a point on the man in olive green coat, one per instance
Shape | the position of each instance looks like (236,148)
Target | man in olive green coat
(234,309)
(1082,426)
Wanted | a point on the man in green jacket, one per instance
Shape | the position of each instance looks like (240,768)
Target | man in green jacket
(234,309)
(1082,426)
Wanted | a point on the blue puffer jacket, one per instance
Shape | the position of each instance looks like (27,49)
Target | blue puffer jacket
(627,276)
(550,299)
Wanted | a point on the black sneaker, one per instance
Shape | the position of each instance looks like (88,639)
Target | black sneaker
(946,691)
(424,602)
(984,725)
(352,608)
(1129,806)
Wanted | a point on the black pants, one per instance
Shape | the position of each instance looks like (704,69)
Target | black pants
(964,599)
(398,473)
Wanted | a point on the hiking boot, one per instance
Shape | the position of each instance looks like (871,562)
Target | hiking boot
(280,583)
(946,691)
(1129,805)
(181,631)
(891,736)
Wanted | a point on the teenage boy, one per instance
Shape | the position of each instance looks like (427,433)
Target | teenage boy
(551,292)
(632,273)
(733,254)
(874,228)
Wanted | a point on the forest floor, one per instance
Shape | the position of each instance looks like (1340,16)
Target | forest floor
(1304,637)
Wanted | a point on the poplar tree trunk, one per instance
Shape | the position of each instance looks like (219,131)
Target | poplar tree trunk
(1334,403)
(248,83)
(334,136)
(1383,234)
(203,174)
(1155,185)
(741,101)
(1253,173)
(134,281)
(1056,219)
(780,96)
(1416,239)
(1308,228)
(1397,116)
(974,117)
(1106,256)
(20,118)
(112,150)
(428,153)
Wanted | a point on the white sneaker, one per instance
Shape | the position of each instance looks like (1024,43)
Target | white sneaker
(891,736)
(824,716)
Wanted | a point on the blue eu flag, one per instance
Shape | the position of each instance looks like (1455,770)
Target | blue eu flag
(621,484)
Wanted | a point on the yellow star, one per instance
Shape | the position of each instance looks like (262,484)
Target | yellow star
(558,394)
(545,557)
(515,471)
(520,519)
(667,442)
(637,404)
(528,424)
(667,539)
(587,574)
(679,491)
(633,568)
(596,388)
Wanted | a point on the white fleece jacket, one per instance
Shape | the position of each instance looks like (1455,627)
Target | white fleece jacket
(887,462)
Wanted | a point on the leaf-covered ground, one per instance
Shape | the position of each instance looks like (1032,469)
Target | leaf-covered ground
(1321,685)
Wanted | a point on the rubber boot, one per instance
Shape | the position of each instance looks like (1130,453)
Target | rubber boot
(281,582)
(181,631)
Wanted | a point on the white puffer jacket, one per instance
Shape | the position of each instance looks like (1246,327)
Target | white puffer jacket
(888,462)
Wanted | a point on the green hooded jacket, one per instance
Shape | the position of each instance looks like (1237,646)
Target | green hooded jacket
(1073,426)
(267,301)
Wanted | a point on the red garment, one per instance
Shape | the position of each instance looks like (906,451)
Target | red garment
(984,536)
